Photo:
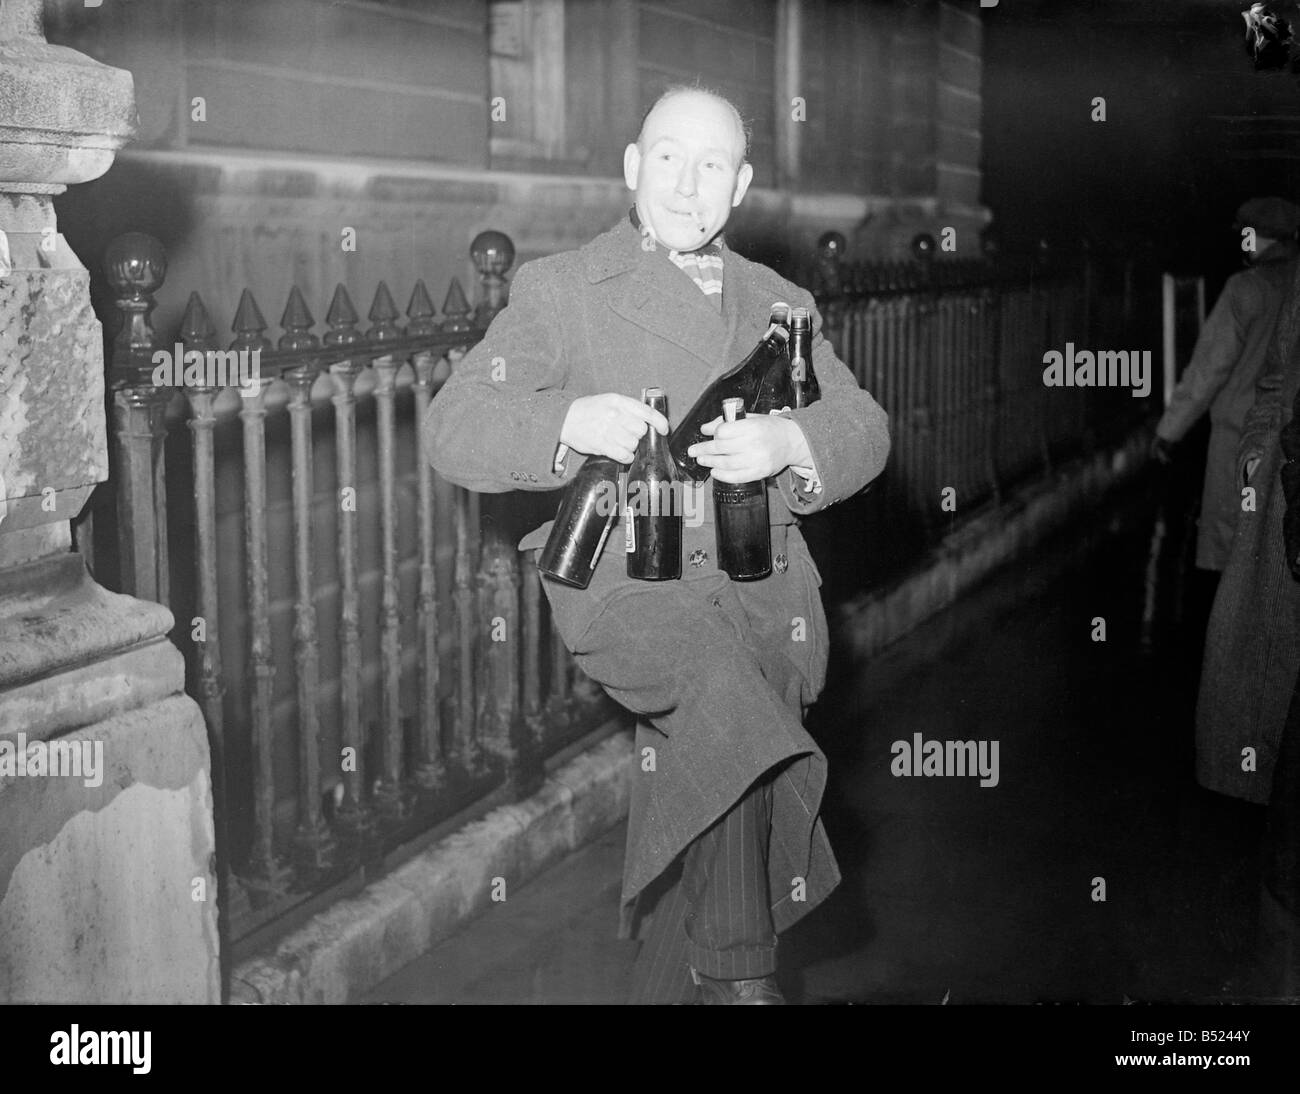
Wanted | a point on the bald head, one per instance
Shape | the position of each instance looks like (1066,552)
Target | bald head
(700,98)
(688,167)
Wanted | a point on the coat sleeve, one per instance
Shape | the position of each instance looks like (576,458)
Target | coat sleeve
(495,424)
(1218,350)
(1284,341)
(846,429)
(1264,419)
(1291,488)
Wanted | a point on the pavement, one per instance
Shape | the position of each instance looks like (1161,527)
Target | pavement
(1095,870)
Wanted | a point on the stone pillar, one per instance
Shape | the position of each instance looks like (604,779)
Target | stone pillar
(106,832)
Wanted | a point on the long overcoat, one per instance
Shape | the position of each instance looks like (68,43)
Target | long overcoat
(1221,378)
(1252,645)
(720,672)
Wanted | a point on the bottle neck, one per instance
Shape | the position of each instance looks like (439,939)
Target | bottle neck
(657,445)
(799,355)
(776,337)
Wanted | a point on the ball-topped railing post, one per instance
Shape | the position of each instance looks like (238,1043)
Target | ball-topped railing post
(493,253)
(831,249)
(136,265)
(829,285)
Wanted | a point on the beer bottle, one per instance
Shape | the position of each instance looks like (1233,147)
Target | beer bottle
(587,512)
(742,382)
(652,516)
(775,390)
(744,538)
(803,379)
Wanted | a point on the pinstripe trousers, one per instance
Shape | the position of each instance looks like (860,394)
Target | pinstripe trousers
(714,913)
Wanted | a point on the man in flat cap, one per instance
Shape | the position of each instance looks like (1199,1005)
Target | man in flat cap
(1225,366)
(725,842)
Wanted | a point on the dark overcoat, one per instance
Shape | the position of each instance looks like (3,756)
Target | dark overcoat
(720,672)
(1252,644)
(1221,378)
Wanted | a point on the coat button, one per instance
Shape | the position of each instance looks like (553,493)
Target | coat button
(699,557)
(780,563)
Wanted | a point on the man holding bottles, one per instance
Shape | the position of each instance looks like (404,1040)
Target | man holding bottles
(725,845)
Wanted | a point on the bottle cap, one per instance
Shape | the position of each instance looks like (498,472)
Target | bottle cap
(733,408)
(799,319)
(648,393)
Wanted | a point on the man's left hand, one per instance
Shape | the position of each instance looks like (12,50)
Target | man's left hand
(752,448)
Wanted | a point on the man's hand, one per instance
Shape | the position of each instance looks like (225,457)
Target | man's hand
(752,448)
(609,425)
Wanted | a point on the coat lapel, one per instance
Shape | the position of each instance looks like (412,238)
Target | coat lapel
(658,297)
(738,305)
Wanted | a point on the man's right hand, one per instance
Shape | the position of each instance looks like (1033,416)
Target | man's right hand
(609,425)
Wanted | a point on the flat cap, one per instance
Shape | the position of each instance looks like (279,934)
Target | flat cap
(1275,218)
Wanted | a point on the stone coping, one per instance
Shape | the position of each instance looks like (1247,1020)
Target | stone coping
(359,941)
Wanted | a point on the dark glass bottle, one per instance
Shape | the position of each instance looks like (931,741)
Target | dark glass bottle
(652,520)
(744,537)
(742,382)
(803,379)
(587,512)
(775,391)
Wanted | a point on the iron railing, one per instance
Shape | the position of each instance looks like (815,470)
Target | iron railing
(953,350)
(371,652)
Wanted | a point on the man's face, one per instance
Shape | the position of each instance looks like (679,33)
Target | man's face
(1262,244)
(686,170)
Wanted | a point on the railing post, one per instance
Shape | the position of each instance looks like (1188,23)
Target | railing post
(136,265)
(465,746)
(559,706)
(933,365)
(266,874)
(313,842)
(353,813)
(829,288)
(992,390)
(198,334)
(1041,288)
(493,254)
(531,599)
(500,724)
(393,801)
(429,772)
(465,743)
